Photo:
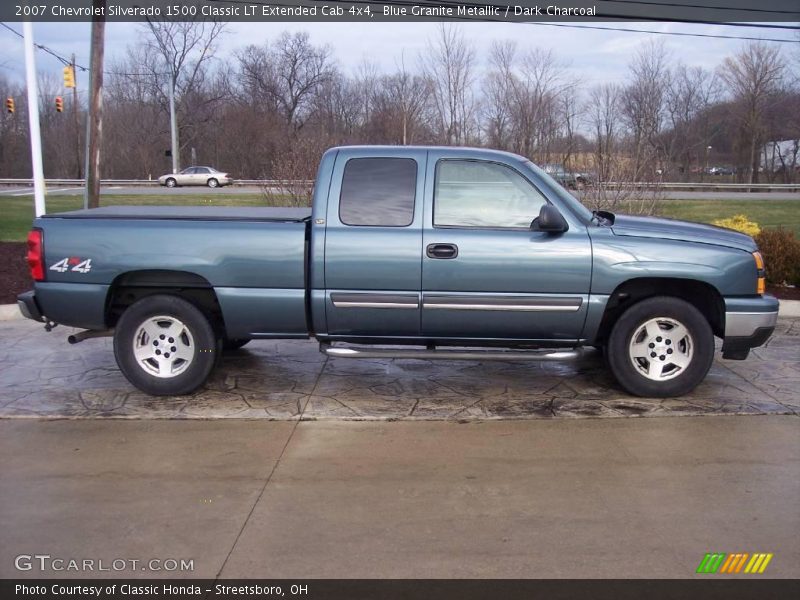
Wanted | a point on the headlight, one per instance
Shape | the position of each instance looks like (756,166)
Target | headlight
(761,283)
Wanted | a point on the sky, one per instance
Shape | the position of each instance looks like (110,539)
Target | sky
(591,56)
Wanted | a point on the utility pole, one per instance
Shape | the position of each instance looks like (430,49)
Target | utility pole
(77,121)
(33,119)
(94,120)
(173,123)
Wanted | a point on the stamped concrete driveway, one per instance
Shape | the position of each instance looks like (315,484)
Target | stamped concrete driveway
(42,376)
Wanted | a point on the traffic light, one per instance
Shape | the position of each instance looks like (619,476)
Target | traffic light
(59,104)
(10,105)
(69,77)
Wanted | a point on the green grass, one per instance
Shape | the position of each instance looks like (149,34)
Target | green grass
(16,214)
(767,213)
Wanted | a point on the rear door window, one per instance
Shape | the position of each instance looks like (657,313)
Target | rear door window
(378,192)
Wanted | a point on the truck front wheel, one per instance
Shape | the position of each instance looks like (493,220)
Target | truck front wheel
(165,346)
(661,347)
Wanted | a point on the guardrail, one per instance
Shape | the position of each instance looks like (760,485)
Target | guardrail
(682,185)
(147,182)
(666,186)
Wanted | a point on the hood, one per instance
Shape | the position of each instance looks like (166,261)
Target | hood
(671,229)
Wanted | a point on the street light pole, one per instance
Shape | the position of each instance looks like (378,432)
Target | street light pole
(33,119)
(173,123)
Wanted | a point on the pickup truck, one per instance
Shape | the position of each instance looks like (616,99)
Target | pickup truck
(417,252)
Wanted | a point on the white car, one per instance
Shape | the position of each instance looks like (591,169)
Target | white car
(208,176)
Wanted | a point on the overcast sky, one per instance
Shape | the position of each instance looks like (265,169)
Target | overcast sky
(592,56)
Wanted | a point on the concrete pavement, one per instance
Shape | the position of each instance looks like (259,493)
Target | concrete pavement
(610,498)
(43,376)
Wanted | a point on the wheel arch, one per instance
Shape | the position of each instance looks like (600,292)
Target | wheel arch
(703,296)
(132,286)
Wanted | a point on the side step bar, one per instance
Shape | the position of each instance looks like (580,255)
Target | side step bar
(429,354)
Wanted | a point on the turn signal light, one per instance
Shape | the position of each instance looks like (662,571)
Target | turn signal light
(35,255)
(761,283)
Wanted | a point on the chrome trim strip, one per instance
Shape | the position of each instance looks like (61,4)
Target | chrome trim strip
(343,304)
(745,324)
(508,307)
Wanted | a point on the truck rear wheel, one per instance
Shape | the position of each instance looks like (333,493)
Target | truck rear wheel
(165,346)
(661,347)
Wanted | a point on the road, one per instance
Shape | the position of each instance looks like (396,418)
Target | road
(250,190)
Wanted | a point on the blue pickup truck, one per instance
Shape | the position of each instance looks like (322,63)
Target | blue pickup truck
(419,252)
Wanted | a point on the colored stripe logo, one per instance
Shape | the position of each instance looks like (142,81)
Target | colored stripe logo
(738,562)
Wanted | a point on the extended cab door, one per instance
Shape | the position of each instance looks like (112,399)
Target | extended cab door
(485,274)
(373,243)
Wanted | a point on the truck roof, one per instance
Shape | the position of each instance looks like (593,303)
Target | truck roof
(461,151)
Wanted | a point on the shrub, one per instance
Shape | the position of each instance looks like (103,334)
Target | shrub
(739,223)
(781,251)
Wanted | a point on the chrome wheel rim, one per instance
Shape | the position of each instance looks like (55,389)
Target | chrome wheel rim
(661,349)
(163,347)
(170,183)
(212,183)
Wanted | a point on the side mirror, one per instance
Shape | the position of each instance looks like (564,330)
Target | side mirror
(550,220)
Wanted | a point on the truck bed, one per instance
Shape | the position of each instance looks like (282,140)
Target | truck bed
(191,213)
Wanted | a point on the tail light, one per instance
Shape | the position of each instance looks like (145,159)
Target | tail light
(761,284)
(36,254)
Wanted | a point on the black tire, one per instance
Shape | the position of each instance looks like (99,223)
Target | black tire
(171,183)
(697,349)
(212,183)
(233,344)
(200,347)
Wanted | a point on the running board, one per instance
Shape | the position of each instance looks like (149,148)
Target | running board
(426,354)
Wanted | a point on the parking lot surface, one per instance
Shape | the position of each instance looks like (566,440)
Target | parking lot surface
(611,498)
(43,376)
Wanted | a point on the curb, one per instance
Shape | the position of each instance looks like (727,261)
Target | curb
(9,312)
(789,308)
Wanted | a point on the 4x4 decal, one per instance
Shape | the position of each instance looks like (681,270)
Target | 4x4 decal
(74,264)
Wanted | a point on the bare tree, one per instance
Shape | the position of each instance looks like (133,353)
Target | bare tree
(498,92)
(404,96)
(449,65)
(643,105)
(753,76)
(617,171)
(178,53)
(288,73)
(689,97)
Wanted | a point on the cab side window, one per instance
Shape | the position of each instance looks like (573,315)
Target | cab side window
(470,193)
(378,192)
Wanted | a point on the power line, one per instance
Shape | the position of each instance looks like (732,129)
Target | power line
(41,47)
(66,61)
(705,7)
(548,24)
(606,16)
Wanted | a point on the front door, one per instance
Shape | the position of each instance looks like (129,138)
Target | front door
(373,243)
(485,274)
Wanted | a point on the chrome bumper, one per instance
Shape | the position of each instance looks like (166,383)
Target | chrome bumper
(745,324)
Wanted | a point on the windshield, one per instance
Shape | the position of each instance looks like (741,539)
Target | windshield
(578,209)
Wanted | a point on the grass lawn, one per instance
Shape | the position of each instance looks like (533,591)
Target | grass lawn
(767,213)
(16,214)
